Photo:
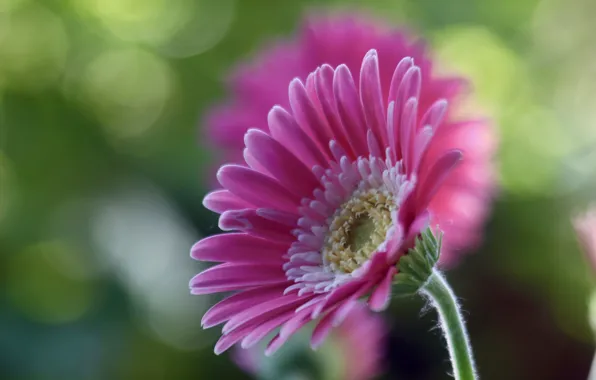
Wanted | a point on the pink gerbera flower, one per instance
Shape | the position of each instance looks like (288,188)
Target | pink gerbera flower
(360,339)
(330,198)
(461,205)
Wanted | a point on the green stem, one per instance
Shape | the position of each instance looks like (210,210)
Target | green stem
(592,375)
(442,298)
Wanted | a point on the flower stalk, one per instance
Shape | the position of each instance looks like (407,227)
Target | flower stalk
(418,274)
(592,374)
(452,324)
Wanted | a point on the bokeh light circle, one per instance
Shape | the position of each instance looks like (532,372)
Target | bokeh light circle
(147,21)
(480,55)
(208,24)
(533,143)
(128,90)
(33,47)
(42,291)
(139,237)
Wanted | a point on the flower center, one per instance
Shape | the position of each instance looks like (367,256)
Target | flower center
(357,229)
(348,219)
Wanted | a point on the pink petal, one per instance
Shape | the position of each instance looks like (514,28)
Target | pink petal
(281,217)
(249,221)
(260,313)
(274,345)
(282,164)
(430,124)
(409,87)
(340,294)
(307,116)
(332,319)
(435,177)
(254,164)
(371,95)
(373,145)
(421,142)
(257,188)
(222,200)
(233,276)
(420,223)
(434,115)
(343,311)
(324,89)
(322,330)
(375,266)
(350,110)
(398,74)
(261,331)
(408,209)
(395,243)
(239,302)
(286,130)
(408,131)
(294,324)
(411,84)
(227,341)
(379,299)
(289,328)
(393,132)
(239,248)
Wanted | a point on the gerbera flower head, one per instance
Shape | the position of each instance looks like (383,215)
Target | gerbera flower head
(358,342)
(460,206)
(329,198)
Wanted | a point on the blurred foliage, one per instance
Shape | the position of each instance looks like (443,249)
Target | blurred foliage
(103,167)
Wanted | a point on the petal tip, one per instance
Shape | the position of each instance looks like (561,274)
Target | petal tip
(222,172)
(371,54)
(342,69)
(249,136)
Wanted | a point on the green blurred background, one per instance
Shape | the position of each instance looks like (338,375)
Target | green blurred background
(103,167)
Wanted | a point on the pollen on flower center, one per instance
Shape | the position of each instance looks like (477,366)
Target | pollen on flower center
(357,229)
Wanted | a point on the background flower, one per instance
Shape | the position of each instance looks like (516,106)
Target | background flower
(359,344)
(461,205)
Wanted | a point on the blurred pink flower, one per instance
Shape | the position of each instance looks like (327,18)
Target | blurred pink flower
(360,339)
(461,205)
(331,196)
(585,229)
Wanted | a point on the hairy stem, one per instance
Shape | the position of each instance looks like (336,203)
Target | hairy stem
(442,298)
(592,375)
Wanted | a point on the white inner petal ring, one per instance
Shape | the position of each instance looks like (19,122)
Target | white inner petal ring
(357,229)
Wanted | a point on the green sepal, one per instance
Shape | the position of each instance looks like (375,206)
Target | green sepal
(415,267)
